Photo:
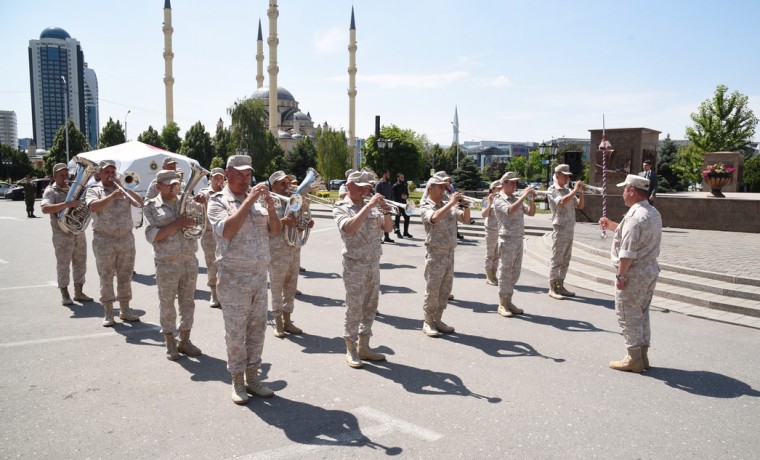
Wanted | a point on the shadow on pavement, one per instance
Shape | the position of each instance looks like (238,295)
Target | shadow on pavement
(469,275)
(312,425)
(401,322)
(320,301)
(388,289)
(702,383)
(202,295)
(147,280)
(423,381)
(317,344)
(320,275)
(140,333)
(569,325)
(496,347)
(205,368)
(389,266)
(86,310)
(476,307)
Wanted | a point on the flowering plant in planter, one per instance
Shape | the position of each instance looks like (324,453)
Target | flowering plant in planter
(717,170)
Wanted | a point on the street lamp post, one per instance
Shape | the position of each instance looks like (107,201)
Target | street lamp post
(66,118)
(548,152)
(383,144)
(125,125)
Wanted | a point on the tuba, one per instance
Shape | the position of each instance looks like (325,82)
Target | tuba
(76,220)
(299,207)
(190,208)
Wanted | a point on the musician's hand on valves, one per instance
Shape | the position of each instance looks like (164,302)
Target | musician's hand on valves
(579,187)
(456,197)
(186,222)
(72,203)
(200,199)
(528,192)
(289,221)
(375,201)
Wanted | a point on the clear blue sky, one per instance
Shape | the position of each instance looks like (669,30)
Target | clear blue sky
(517,70)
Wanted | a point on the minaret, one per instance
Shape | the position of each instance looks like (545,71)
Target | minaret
(168,58)
(273,41)
(259,59)
(352,91)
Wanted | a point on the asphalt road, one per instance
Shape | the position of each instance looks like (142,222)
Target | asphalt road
(537,386)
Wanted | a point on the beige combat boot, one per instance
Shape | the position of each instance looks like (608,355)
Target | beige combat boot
(239,396)
(125,314)
(253,384)
(80,296)
(185,346)
(171,347)
(440,326)
(352,356)
(428,327)
(214,303)
(555,289)
(491,277)
(288,325)
(279,330)
(65,298)
(564,291)
(366,352)
(108,318)
(503,309)
(513,308)
(631,363)
(645,356)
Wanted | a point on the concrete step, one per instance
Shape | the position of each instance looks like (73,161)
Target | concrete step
(594,271)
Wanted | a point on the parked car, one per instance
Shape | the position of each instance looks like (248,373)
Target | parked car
(4,188)
(17,193)
(336,183)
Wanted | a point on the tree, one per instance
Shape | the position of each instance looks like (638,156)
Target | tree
(170,137)
(151,137)
(723,123)
(16,164)
(688,164)
(57,154)
(516,164)
(302,157)
(112,134)
(496,169)
(405,155)
(250,135)
(431,155)
(197,144)
(222,141)
(332,153)
(534,169)
(667,176)
(752,174)
(218,162)
(467,177)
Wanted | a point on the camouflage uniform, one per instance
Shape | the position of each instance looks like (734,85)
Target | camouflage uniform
(113,244)
(361,268)
(511,233)
(491,224)
(283,271)
(70,250)
(242,282)
(152,191)
(563,223)
(440,243)
(637,237)
(30,194)
(208,243)
(176,265)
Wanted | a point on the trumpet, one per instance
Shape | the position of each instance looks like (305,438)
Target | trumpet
(131,180)
(117,184)
(394,210)
(292,202)
(590,189)
(470,201)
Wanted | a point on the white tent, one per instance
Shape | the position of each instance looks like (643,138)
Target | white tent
(145,162)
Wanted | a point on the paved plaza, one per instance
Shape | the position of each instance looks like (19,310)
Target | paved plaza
(536,386)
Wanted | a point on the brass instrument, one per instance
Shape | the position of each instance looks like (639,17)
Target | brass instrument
(470,201)
(75,220)
(190,208)
(393,209)
(118,185)
(590,189)
(325,201)
(131,180)
(408,207)
(299,207)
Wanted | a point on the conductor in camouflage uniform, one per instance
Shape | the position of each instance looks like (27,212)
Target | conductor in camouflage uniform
(634,253)
(242,228)
(563,201)
(176,264)
(113,242)
(70,249)
(440,218)
(361,228)
(208,243)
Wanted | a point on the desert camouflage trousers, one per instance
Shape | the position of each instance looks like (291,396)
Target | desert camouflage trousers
(176,279)
(362,283)
(283,278)
(208,244)
(114,257)
(70,255)
(244,296)
(510,260)
(439,280)
(562,251)
(632,304)
(492,250)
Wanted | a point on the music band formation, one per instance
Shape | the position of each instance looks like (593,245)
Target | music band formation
(252,239)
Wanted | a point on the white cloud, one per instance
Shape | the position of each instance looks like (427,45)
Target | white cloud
(430,81)
(330,41)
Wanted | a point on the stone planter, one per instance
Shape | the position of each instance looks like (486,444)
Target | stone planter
(716,181)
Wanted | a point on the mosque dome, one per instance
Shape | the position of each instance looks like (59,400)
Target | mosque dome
(301,116)
(282,94)
(54,32)
(284,135)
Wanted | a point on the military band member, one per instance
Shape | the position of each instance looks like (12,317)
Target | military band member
(509,210)
(242,229)
(208,243)
(285,262)
(440,220)
(169,164)
(113,242)
(343,190)
(634,253)
(176,264)
(70,249)
(491,224)
(563,201)
(361,228)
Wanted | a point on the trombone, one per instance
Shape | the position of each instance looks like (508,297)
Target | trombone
(117,184)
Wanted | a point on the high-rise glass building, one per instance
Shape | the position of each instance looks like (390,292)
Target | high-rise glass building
(8,128)
(57,70)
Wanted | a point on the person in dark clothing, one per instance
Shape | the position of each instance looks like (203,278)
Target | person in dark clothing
(30,194)
(649,173)
(400,195)
(384,188)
